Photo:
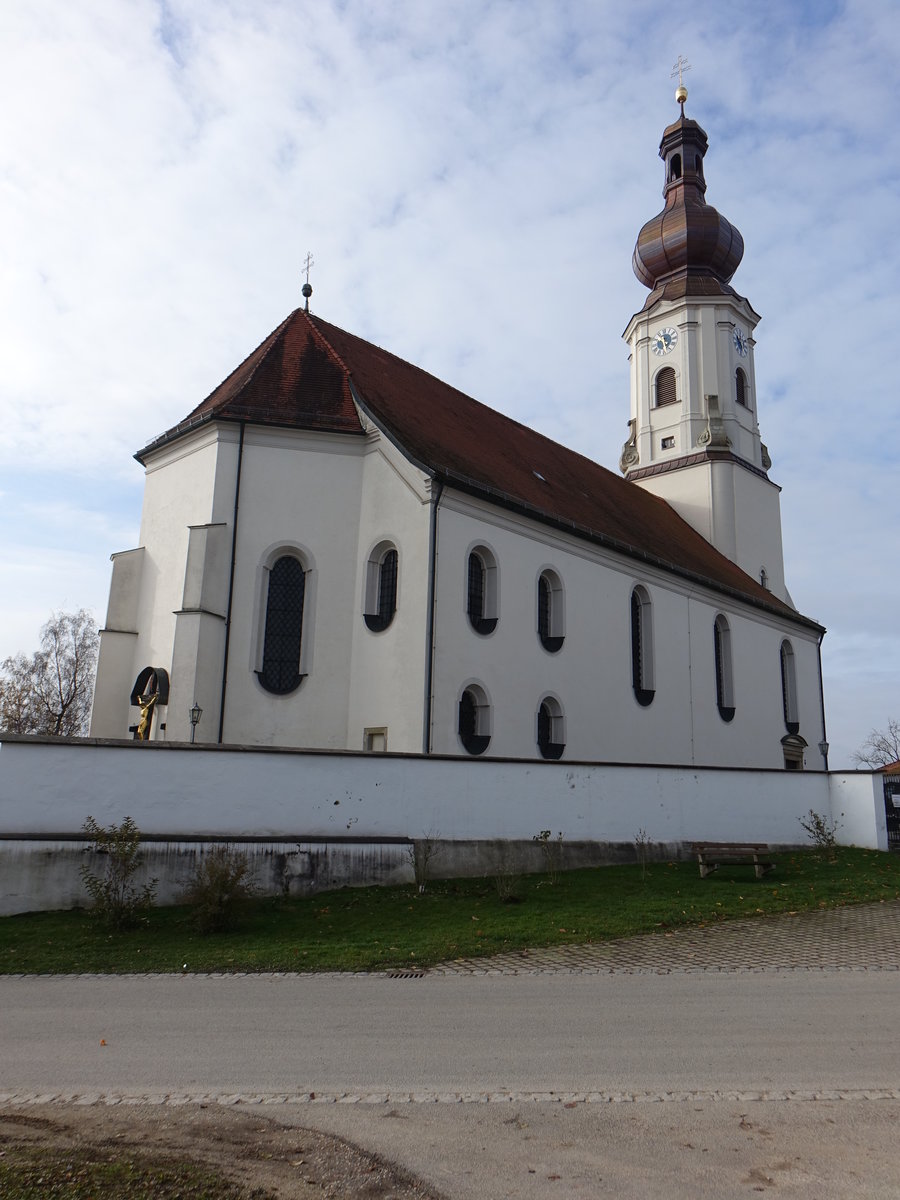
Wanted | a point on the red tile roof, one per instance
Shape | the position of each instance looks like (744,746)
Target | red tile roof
(307,373)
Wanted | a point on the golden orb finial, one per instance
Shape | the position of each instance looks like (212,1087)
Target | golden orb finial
(679,69)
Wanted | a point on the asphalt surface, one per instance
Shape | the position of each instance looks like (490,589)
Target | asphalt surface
(748,1057)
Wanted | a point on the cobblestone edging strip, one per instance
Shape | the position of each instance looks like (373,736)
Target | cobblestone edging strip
(567,1099)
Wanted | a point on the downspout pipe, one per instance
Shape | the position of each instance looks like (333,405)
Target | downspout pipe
(437,491)
(822,697)
(234,530)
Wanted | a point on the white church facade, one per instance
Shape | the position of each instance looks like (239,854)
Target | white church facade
(339,551)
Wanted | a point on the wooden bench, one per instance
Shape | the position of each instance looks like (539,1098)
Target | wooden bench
(712,855)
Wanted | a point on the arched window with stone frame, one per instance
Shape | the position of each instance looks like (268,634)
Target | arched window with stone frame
(723,668)
(382,571)
(282,639)
(642,646)
(551,728)
(473,721)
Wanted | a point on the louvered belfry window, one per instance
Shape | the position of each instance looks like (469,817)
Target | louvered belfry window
(665,387)
(740,385)
(284,626)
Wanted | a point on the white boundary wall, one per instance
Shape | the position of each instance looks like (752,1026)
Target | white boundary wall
(288,798)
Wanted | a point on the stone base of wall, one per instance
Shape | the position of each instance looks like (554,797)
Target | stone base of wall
(45,874)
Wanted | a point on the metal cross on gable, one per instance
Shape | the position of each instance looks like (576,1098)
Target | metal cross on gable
(680,67)
(307,287)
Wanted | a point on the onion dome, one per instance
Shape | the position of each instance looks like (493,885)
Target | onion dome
(688,249)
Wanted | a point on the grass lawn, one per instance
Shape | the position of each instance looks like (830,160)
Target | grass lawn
(41,1173)
(375,928)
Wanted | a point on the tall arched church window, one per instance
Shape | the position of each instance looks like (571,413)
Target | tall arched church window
(551,734)
(381,587)
(550,614)
(642,647)
(474,720)
(724,676)
(481,596)
(665,387)
(789,688)
(284,626)
(742,393)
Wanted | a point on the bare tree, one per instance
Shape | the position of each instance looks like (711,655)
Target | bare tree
(881,747)
(51,691)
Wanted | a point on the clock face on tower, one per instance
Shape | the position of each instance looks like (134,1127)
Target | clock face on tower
(664,341)
(740,341)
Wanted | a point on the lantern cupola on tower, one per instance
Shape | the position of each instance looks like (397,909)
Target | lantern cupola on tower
(688,249)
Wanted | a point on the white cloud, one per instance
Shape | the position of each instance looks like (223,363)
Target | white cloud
(470,179)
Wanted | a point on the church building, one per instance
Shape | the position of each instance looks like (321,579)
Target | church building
(340,551)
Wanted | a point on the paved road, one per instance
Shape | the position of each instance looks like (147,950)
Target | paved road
(576,1076)
(611,1034)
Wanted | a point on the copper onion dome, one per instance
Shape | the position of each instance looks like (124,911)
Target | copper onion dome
(688,249)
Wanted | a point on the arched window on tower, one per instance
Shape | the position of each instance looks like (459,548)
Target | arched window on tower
(742,393)
(675,167)
(280,671)
(665,387)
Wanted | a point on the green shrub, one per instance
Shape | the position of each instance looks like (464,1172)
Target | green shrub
(115,900)
(219,889)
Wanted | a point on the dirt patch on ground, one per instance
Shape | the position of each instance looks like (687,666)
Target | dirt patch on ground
(247,1148)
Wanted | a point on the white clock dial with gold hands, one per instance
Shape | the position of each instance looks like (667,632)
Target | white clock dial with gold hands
(664,340)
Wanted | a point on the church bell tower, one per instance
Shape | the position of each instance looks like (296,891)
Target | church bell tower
(693,435)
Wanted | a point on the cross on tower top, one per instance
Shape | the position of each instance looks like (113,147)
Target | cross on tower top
(679,69)
(307,287)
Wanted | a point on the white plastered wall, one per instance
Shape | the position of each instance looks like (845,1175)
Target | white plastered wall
(300,493)
(591,674)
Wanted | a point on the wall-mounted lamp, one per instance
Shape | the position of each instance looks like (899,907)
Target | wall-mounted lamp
(196,714)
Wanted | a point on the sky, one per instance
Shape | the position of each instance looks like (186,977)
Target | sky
(470,177)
